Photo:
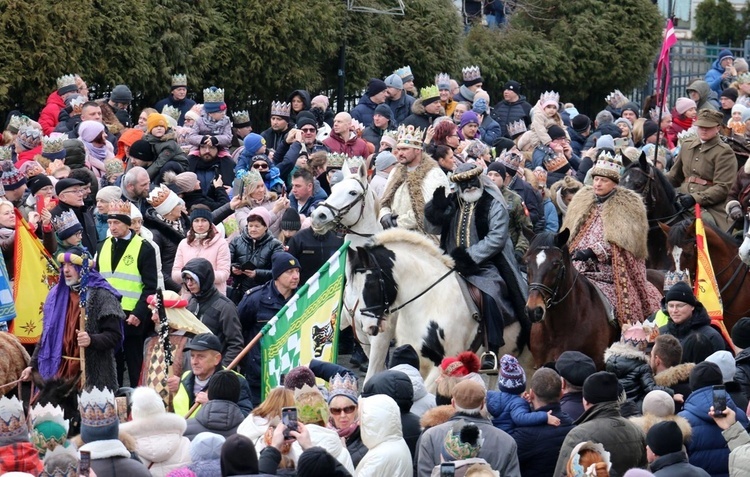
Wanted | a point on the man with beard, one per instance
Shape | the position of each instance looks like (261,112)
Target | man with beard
(177,98)
(136,183)
(473,225)
(212,169)
(57,355)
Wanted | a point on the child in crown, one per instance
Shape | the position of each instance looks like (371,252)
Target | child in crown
(167,152)
(544,114)
(214,127)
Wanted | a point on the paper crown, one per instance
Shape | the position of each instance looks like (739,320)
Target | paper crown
(555,163)
(157,196)
(240,117)
(654,114)
(344,384)
(471,73)
(281,109)
(357,126)
(443,81)
(119,207)
(428,92)
(511,159)
(405,73)
(549,97)
(98,408)
(410,136)
(6,153)
(744,78)
(66,84)
(251,176)
(608,166)
(616,99)
(113,166)
(53,145)
(462,443)
(541,175)
(65,462)
(672,278)
(393,134)
(13,426)
(179,80)
(49,427)
(687,134)
(15,123)
(65,221)
(172,112)
(29,136)
(654,155)
(213,95)
(517,128)
(77,104)
(335,160)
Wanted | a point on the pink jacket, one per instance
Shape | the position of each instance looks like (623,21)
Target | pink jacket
(216,251)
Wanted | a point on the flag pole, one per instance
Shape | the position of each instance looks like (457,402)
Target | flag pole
(663,77)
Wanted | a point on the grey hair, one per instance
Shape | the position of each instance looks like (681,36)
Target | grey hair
(604,117)
(131,177)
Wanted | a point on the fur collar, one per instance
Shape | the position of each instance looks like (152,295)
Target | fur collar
(674,375)
(625,351)
(166,423)
(623,215)
(647,421)
(125,438)
(436,416)
(106,449)
(413,180)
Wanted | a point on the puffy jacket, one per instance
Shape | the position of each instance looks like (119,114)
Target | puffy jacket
(215,251)
(422,400)
(489,130)
(400,108)
(364,110)
(714,75)
(739,459)
(538,446)
(318,196)
(243,248)
(380,427)
(700,322)
(217,416)
(351,146)
(511,410)
(49,116)
(742,376)
(708,449)
(329,440)
(677,378)
(205,126)
(168,239)
(160,442)
(169,156)
(532,200)
(633,370)
(215,310)
(505,113)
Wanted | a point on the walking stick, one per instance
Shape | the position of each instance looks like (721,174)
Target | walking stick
(82,350)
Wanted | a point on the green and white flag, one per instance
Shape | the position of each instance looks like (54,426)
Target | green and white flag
(307,327)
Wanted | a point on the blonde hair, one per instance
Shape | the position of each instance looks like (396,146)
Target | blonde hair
(637,131)
(271,407)
(481,470)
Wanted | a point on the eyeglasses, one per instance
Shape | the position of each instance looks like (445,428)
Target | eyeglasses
(73,191)
(260,166)
(676,305)
(308,130)
(346,410)
(188,278)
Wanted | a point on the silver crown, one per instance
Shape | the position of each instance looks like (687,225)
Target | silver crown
(443,81)
(213,95)
(64,221)
(52,145)
(66,81)
(281,109)
(550,97)
(404,72)
(172,112)
(471,73)
(240,117)
(516,128)
(6,153)
(616,99)
(654,114)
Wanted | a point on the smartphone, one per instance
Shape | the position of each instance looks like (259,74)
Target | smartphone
(720,400)
(85,464)
(289,419)
(39,203)
(447,469)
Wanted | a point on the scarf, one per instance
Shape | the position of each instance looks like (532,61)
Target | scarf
(97,152)
(55,308)
(347,431)
(466,93)
(560,202)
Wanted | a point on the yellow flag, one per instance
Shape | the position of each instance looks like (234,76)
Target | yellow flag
(35,275)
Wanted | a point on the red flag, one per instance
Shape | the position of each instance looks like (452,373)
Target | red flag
(662,65)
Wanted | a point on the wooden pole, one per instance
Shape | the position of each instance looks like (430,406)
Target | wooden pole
(81,349)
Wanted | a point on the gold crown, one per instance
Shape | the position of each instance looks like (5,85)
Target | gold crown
(404,71)
(52,145)
(410,136)
(179,80)
(171,111)
(442,81)
(98,408)
(607,166)
(6,153)
(66,220)
(67,81)
(281,109)
(12,420)
(240,117)
(673,278)
(335,160)
(119,207)
(616,99)
(471,73)
(549,97)
(517,128)
(213,95)
(428,92)
(556,162)
(541,175)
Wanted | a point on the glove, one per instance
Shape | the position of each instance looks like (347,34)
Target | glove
(389,221)
(214,141)
(439,200)
(583,255)
(735,213)
(686,201)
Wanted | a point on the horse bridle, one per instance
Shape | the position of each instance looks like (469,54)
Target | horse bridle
(647,193)
(550,294)
(338,213)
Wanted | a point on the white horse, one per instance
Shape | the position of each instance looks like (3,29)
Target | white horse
(745,247)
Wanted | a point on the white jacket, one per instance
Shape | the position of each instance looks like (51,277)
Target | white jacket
(254,428)
(423,401)
(329,440)
(160,443)
(380,428)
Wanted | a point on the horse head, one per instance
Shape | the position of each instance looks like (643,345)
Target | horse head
(548,263)
(372,280)
(637,175)
(681,245)
(59,392)
(345,206)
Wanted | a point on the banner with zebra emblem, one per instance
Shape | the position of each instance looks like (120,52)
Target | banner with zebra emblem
(307,327)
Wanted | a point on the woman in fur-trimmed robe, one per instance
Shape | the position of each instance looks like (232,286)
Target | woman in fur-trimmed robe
(608,229)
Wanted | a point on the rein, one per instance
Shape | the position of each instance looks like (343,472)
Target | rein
(551,293)
(650,199)
(338,213)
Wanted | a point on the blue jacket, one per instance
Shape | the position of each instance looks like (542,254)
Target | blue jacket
(538,446)
(490,130)
(364,110)
(318,196)
(708,449)
(713,76)
(551,220)
(511,410)
(400,108)
(184,106)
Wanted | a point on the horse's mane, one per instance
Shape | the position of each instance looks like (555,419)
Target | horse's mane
(678,234)
(668,189)
(543,239)
(397,235)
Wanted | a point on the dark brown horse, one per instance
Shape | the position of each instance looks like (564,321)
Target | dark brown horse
(566,310)
(732,276)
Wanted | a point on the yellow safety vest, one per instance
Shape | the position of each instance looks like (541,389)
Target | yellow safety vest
(661,318)
(125,278)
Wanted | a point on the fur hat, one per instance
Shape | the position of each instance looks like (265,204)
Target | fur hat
(206,446)
(99,419)
(459,366)
(664,438)
(658,403)
(344,384)
(512,377)
(600,387)
(741,333)
(683,104)
(725,361)
(463,441)
(298,377)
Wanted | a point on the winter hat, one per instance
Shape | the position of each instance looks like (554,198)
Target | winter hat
(394,81)
(225,386)
(290,220)
(725,361)
(312,407)
(384,160)
(512,377)
(384,110)
(146,403)
(556,132)
(459,366)
(580,122)
(61,185)
(600,387)
(476,149)
(253,143)
(729,93)
(201,213)
(317,462)
(741,333)
(142,151)
(658,403)
(344,384)
(705,374)
(469,394)
(38,182)
(262,213)
(109,194)
(681,292)
(298,377)
(631,106)
(389,138)
(192,115)
(238,456)
(66,84)
(683,104)
(708,118)
(90,130)
(471,75)
(322,99)
(121,94)
(281,262)
(649,129)
(664,438)
(480,106)
(66,224)
(724,54)
(13,427)
(605,141)
(163,200)
(738,108)
(463,441)
(608,166)
(405,354)
(584,459)
(375,86)
(469,117)
(99,419)
(154,120)
(206,446)
(185,181)
(514,86)
(213,100)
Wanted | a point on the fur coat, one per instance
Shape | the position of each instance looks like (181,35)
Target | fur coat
(647,421)
(103,313)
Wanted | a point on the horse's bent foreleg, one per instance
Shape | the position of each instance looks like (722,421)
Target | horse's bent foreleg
(430,381)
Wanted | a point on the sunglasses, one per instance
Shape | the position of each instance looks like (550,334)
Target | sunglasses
(346,410)
(260,166)
(307,130)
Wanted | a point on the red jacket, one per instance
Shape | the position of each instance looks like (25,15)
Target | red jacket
(27,156)
(355,146)
(48,116)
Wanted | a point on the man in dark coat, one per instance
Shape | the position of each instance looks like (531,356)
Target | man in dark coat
(538,446)
(688,316)
(604,123)
(259,305)
(280,127)
(382,121)
(177,98)
(376,93)
(573,367)
(426,109)
(313,250)
(399,102)
(210,166)
(665,455)
(512,108)
(741,339)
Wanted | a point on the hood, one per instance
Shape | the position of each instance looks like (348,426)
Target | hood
(700,87)
(220,415)
(380,420)
(436,416)
(395,384)
(675,374)
(699,402)
(717,62)
(417,382)
(647,421)
(625,351)
(203,269)
(305,97)
(253,427)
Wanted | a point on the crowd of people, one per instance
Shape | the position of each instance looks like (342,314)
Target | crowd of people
(184,226)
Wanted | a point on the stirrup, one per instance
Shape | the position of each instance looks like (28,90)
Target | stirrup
(489,363)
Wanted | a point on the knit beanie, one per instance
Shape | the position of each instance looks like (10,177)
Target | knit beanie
(729,93)
(202,213)
(681,292)
(696,348)
(600,387)
(605,141)
(738,108)
(725,361)
(290,220)
(238,456)
(741,333)
(154,120)
(459,366)
(121,94)
(705,374)
(375,86)
(394,81)
(322,100)
(384,110)
(580,123)
(185,181)
(281,262)
(142,151)
(206,446)
(463,441)
(299,377)
(658,403)
(385,160)
(512,377)
(253,143)
(99,420)
(469,117)
(649,129)
(306,118)
(317,462)
(498,167)
(37,183)
(631,106)
(556,132)
(405,354)
(664,438)
(109,194)
(225,386)
(683,104)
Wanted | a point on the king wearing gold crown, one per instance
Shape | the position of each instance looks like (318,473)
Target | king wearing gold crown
(177,98)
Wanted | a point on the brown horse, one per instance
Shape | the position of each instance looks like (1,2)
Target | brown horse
(566,310)
(732,276)
(14,360)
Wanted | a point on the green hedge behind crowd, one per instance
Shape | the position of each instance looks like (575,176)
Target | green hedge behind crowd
(260,50)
